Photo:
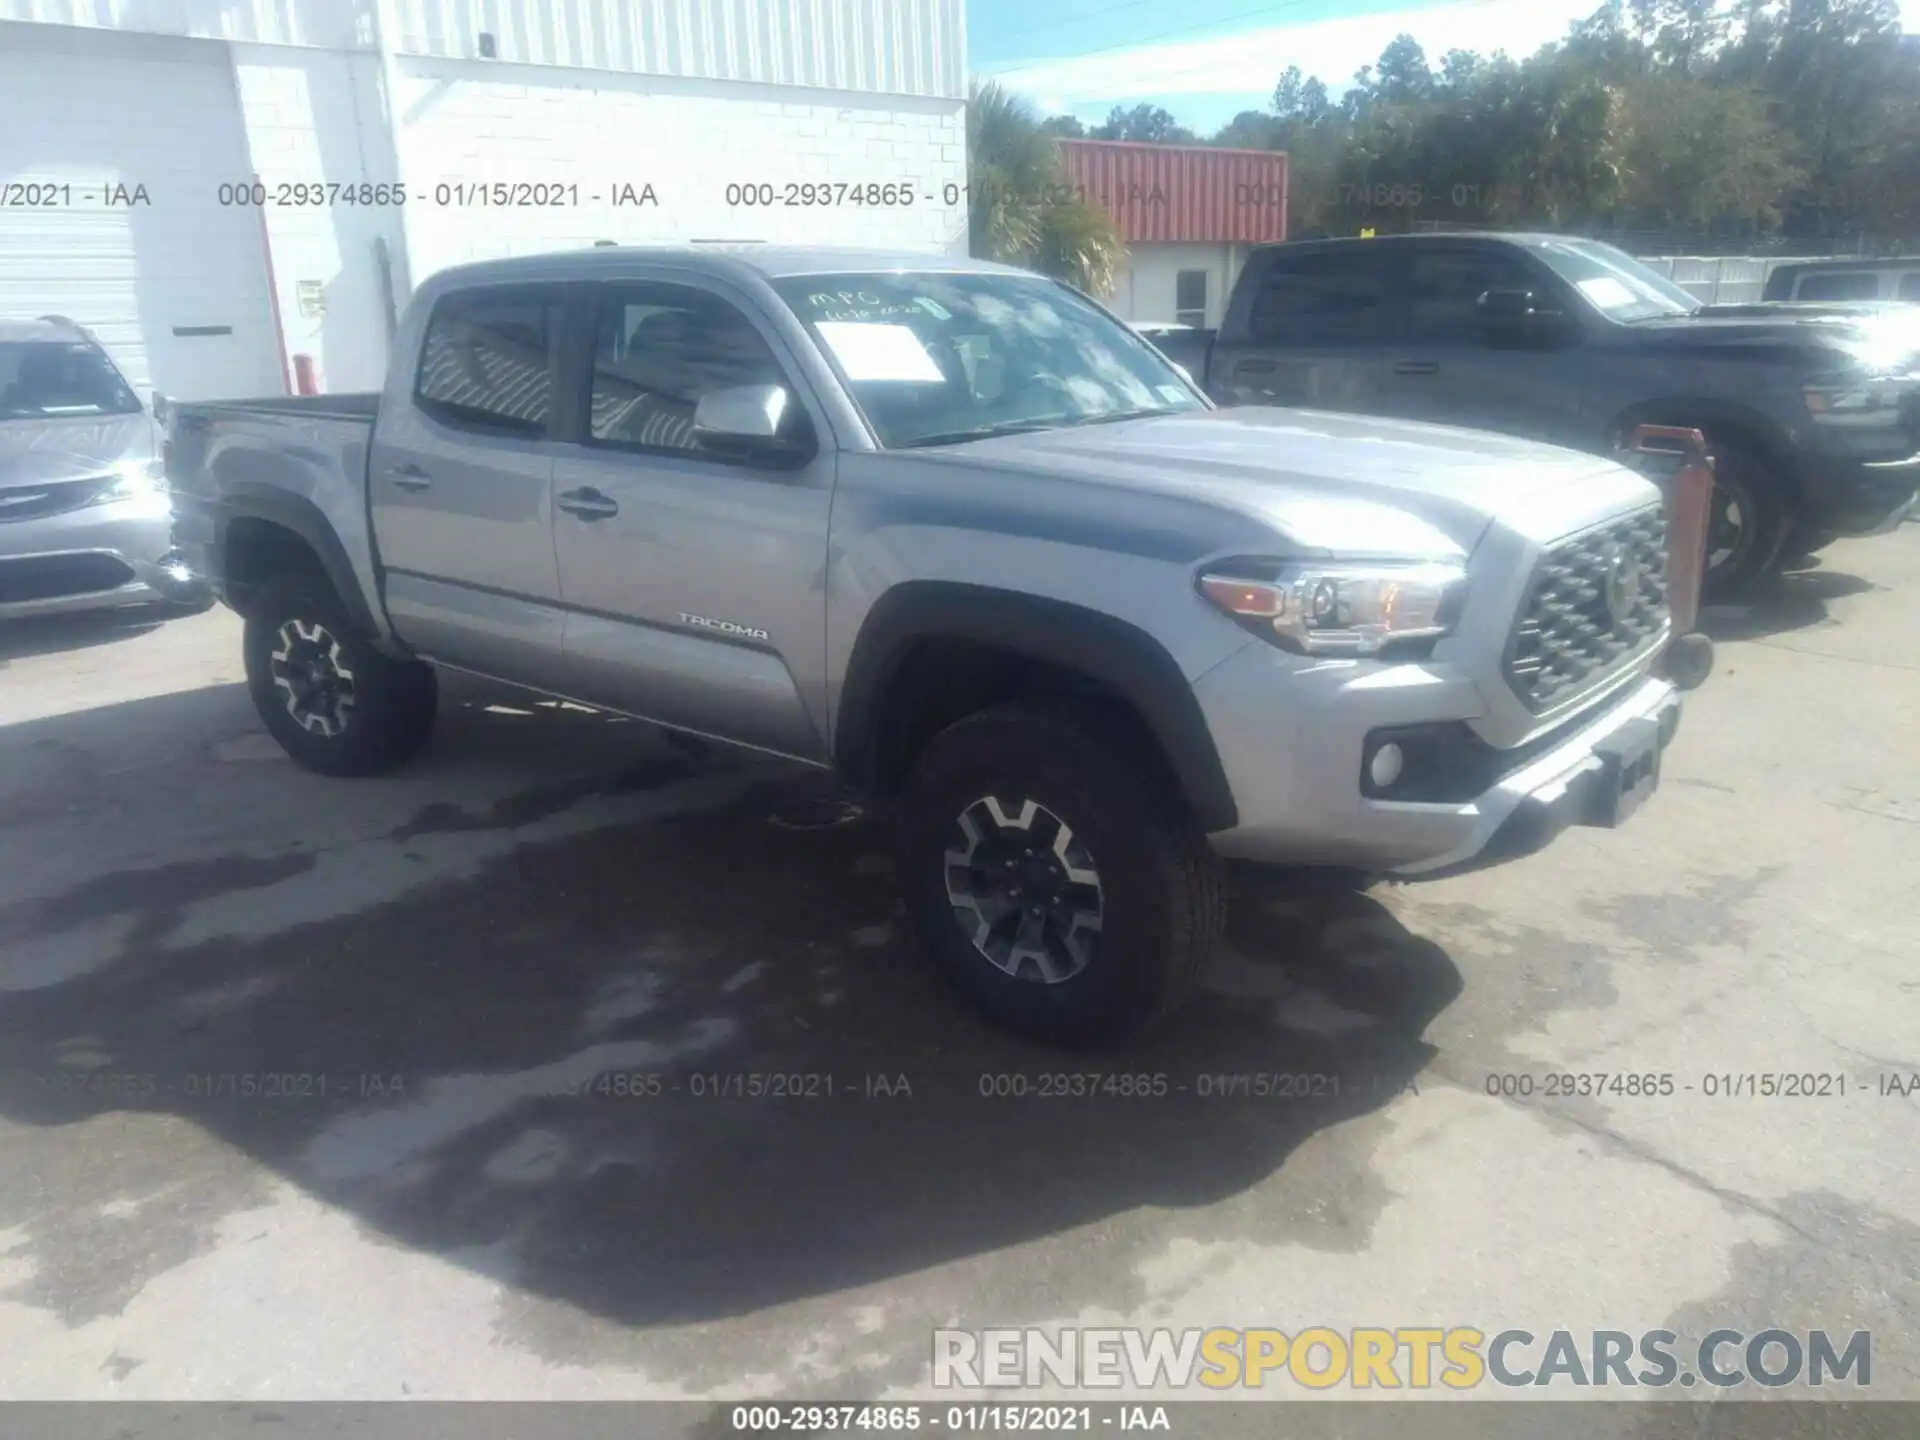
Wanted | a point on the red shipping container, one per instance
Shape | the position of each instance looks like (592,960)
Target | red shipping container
(1182,192)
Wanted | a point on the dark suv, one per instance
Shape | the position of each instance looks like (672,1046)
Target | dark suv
(1813,417)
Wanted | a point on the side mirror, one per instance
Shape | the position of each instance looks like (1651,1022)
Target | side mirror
(1518,315)
(160,407)
(752,421)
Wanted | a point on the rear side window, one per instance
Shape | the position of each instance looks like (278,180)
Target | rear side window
(1910,286)
(1326,298)
(487,362)
(1840,285)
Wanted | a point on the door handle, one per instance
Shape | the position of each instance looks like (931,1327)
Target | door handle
(1416,367)
(1255,367)
(588,503)
(410,477)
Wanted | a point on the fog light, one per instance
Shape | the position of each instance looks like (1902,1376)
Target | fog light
(1385,766)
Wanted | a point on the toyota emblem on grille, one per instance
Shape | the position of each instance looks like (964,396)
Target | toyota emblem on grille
(1622,591)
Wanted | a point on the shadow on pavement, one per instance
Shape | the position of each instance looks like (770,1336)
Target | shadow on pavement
(56,634)
(1795,599)
(651,1040)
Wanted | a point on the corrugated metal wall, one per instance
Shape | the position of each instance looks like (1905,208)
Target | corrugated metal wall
(900,47)
(1721,279)
(1182,193)
(329,24)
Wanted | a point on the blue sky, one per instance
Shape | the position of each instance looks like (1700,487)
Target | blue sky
(1206,60)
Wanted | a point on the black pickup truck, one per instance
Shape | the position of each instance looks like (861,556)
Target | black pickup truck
(1812,412)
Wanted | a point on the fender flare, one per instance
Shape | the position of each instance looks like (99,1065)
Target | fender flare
(1702,412)
(1116,654)
(301,517)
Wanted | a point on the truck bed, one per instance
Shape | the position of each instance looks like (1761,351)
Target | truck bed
(301,460)
(353,404)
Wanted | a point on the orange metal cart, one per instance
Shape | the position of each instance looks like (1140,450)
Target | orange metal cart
(1675,458)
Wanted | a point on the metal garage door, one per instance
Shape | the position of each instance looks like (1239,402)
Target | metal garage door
(173,284)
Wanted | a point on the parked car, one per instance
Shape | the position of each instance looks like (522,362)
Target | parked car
(1812,413)
(85,520)
(1894,278)
(958,534)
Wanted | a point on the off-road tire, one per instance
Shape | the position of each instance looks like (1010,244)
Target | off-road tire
(393,701)
(1162,889)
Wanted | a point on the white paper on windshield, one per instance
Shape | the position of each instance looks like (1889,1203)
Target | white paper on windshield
(879,352)
(1608,293)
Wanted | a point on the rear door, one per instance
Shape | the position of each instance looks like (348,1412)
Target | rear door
(694,581)
(461,478)
(1449,370)
(1309,329)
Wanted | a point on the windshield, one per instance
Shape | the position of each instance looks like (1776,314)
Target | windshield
(1615,283)
(44,379)
(936,359)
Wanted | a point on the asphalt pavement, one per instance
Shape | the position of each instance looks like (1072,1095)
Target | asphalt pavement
(570,1064)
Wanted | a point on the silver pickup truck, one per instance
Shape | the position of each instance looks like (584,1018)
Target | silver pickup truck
(955,532)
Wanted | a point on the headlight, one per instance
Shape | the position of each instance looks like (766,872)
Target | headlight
(1344,609)
(134,480)
(1864,397)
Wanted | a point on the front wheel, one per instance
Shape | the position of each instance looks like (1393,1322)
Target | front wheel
(1748,521)
(1054,877)
(335,704)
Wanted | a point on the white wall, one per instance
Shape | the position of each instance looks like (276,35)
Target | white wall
(316,115)
(688,139)
(685,96)
(907,47)
(1146,290)
(173,283)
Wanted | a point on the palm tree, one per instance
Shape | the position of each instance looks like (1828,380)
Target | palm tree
(1020,208)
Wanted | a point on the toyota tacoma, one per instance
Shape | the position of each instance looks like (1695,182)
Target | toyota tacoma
(956,533)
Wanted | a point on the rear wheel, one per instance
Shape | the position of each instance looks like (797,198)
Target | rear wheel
(1054,877)
(335,704)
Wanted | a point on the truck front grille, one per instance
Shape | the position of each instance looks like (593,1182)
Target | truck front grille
(1596,601)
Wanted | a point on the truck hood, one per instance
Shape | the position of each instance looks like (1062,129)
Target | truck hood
(1340,484)
(39,452)
(1885,338)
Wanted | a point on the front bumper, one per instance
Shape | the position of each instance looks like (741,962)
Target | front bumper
(96,558)
(1294,744)
(1859,497)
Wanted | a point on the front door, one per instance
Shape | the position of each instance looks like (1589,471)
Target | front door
(693,580)
(1452,371)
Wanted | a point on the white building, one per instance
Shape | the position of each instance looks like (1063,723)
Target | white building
(391,138)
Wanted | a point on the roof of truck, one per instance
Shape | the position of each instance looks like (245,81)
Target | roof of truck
(1505,237)
(769,261)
